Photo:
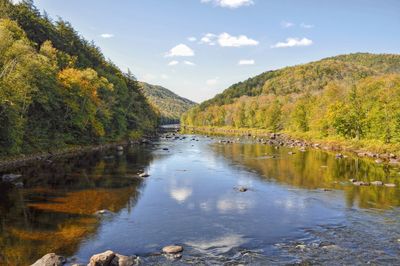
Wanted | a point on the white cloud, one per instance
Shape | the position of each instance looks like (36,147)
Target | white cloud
(244,62)
(212,82)
(180,50)
(192,39)
(209,39)
(227,40)
(230,3)
(164,76)
(287,24)
(107,35)
(292,42)
(189,63)
(306,26)
(173,63)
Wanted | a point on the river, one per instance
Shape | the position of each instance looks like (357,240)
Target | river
(298,208)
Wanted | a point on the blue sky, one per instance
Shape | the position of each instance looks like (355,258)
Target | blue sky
(197,48)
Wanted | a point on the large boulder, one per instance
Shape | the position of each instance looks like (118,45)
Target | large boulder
(102,259)
(50,259)
(172,249)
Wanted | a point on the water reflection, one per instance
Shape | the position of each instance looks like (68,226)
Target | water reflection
(55,210)
(315,169)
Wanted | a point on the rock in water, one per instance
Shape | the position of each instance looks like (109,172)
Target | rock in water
(121,260)
(390,185)
(102,259)
(377,183)
(172,249)
(144,175)
(243,189)
(50,259)
(104,212)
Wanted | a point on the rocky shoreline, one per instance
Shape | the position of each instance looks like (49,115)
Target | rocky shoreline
(9,163)
(108,258)
(279,139)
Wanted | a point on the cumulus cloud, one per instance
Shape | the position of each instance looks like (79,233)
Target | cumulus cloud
(209,39)
(244,62)
(107,35)
(230,3)
(306,26)
(292,42)
(287,24)
(192,39)
(180,50)
(227,40)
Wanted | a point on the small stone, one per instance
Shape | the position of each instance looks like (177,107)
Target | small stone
(165,149)
(291,153)
(102,259)
(361,183)
(144,175)
(172,249)
(353,180)
(50,259)
(378,161)
(377,183)
(301,246)
(243,189)
(120,148)
(390,185)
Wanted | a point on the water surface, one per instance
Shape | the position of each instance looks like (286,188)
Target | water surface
(300,208)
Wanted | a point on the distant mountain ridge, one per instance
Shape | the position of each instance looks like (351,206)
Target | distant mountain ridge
(170,105)
(354,96)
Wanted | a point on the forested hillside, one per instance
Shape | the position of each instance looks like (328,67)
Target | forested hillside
(351,96)
(170,105)
(57,89)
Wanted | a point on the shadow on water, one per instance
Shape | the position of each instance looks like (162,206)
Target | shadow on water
(316,169)
(54,212)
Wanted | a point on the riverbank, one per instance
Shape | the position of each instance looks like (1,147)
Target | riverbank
(16,161)
(362,148)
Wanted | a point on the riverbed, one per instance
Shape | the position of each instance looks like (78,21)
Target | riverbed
(297,206)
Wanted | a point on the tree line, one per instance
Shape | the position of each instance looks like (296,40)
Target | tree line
(57,89)
(352,96)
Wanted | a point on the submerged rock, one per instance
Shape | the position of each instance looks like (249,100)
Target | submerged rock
(377,183)
(102,259)
(172,249)
(50,259)
(390,185)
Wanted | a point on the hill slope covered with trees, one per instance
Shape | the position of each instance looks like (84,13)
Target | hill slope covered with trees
(170,105)
(355,96)
(57,89)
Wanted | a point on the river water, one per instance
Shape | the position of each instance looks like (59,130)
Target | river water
(299,208)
